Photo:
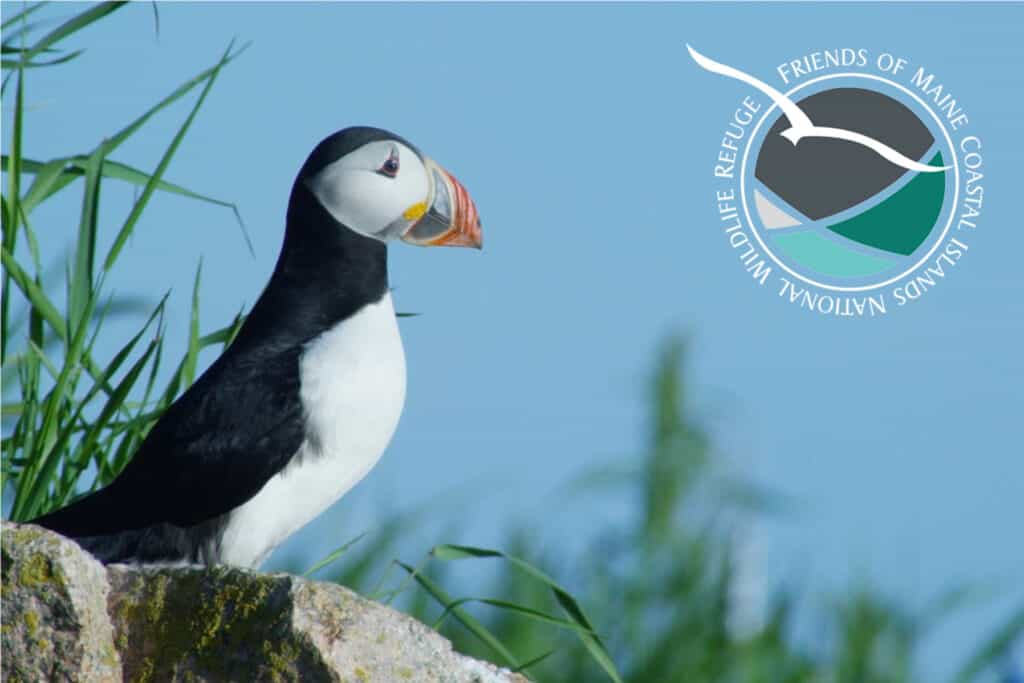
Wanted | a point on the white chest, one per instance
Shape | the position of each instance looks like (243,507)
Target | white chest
(352,392)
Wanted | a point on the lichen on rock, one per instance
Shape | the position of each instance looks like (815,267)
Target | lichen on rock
(54,610)
(211,624)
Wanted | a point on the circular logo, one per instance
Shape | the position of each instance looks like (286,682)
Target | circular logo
(833,211)
(853,192)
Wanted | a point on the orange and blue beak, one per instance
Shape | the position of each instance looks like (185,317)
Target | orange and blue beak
(448,218)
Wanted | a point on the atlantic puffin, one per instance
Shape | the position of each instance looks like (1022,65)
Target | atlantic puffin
(304,401)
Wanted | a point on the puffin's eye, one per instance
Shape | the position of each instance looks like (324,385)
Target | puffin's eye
(390,167)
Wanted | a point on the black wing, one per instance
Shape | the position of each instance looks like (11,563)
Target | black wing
(213,449)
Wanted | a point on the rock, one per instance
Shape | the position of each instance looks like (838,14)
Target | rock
(126,623)
(55,624)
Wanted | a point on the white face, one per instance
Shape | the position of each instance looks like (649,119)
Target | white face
(377,190)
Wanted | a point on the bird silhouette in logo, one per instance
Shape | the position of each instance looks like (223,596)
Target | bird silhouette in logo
(801,125)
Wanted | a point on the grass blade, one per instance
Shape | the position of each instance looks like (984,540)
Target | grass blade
(115,402)
(522,610)
(23,14)
(150,186)
(156,19)
(47,177)
(44,361)
(76,23)
(81,281)
(333,556)
(536,660)
(13,209)
(21,64)
(192,354)
(118,138)
(994,648)
(464,617)
(33,292)
(52,176)
(564,599)
(177,381)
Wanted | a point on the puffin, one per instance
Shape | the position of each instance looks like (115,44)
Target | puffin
(305,399)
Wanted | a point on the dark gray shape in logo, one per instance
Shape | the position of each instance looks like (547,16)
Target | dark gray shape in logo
(821,177)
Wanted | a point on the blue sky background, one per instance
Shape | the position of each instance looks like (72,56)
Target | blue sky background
(587,138)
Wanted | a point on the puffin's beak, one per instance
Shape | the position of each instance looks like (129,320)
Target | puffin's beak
(451,219)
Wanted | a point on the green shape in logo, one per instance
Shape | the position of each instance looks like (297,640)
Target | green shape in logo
(903,221)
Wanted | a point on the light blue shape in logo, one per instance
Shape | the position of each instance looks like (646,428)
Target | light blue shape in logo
(825,256)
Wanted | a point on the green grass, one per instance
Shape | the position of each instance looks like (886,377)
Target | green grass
(65,411)
(652,599)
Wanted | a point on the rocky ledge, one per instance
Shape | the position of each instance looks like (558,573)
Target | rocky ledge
(66,617)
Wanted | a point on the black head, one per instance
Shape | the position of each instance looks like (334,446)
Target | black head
(380,185)
(358,190)
(339,144)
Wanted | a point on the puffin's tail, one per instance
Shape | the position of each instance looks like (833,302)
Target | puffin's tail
(94,523)
(91,515)
(158,544)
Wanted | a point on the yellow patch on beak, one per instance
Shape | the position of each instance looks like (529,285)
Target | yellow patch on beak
(415,212)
